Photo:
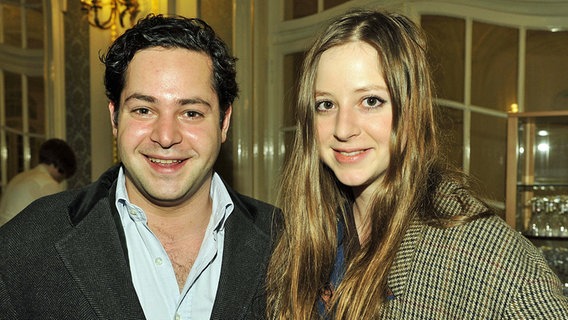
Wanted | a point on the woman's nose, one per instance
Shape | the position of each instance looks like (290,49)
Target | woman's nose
(346,124)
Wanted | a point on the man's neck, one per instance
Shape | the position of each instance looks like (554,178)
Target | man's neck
(181,232)
(53,172)
(187,219)
(190,214)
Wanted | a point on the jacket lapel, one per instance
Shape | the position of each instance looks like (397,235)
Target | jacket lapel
(243,270)
(398,276)
(93,255)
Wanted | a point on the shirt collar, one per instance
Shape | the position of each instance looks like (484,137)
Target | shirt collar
(222,203)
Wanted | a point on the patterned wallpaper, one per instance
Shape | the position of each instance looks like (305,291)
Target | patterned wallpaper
(218,14)
(77,91)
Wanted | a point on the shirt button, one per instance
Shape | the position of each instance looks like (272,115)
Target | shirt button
(158,261)
(178,317)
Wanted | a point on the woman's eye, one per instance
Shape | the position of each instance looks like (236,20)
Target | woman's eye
(372,102)
(324,105)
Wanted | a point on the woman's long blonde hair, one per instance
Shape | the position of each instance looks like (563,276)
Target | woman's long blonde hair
(312,198)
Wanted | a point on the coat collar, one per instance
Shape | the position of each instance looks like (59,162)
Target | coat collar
(93,256)
(85,202)
(245,260)
(398,276)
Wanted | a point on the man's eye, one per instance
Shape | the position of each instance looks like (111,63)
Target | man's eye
(193,114)
(142,111)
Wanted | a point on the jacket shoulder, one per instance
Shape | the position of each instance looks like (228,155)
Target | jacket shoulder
(483,261)
(56,213)
(264,215)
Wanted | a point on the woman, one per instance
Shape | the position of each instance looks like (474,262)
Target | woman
(376,224)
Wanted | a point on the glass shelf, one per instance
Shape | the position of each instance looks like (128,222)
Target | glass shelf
(537,183)
(537,149)
(541,186)
(545,238)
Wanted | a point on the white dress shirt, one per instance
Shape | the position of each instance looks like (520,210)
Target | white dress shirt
(152,271)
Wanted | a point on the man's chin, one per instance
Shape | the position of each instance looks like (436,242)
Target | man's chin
(169,200)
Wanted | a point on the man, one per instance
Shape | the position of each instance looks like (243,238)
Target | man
(56,164)
(160,236)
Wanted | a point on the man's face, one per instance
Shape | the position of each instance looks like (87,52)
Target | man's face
(168,131)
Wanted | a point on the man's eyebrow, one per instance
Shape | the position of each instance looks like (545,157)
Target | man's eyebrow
(139,96)
(196,100)
(181,102)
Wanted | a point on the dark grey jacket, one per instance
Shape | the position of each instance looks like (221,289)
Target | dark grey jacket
(64,257)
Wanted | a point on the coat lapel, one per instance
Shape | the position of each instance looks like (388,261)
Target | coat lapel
(93,255)
(243,270)
(398,276)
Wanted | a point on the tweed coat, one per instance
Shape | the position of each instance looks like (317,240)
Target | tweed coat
(480,270)
(64,257)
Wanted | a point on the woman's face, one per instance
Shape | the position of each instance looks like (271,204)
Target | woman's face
(353,114)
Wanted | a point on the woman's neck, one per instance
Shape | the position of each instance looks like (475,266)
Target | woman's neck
(361,219)
(363,201)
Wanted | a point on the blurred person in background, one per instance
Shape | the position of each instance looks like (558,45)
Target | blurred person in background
(57,163)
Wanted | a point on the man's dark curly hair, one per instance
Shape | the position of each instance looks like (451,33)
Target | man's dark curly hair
(171,32)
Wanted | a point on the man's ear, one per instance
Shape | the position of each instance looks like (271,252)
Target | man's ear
(113,120)
(225,123)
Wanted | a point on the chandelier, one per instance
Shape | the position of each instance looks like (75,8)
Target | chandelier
(103,14)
